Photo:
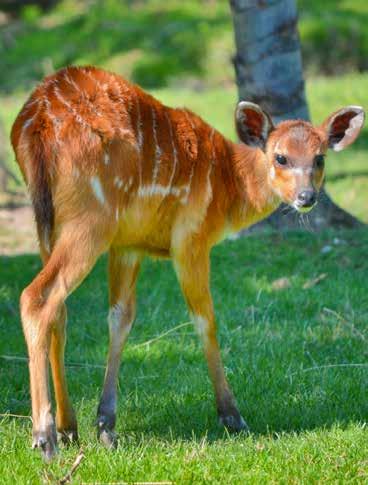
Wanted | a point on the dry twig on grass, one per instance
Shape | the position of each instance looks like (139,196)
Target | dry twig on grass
(68,477)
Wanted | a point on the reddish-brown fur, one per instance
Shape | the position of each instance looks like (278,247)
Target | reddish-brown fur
(111,168)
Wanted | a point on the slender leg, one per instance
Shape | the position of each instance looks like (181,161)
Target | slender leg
(41,306)
(66,422)
(192,267)
(123,272)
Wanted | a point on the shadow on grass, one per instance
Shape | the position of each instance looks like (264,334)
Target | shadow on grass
(164,388)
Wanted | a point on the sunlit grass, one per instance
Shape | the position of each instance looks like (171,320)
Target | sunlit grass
(279,347)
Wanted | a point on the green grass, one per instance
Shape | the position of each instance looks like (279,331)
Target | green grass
(307,420)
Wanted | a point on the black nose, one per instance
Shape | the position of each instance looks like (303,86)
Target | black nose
(307,198)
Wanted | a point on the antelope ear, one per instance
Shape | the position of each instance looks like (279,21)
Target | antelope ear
(343,127)
(252,124)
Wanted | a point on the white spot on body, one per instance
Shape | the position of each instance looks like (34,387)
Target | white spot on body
(106,158)
(97,189)
(28,122)
(118,182)
(75,171)
(128,184)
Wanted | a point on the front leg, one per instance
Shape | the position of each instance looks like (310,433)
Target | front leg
(192,268)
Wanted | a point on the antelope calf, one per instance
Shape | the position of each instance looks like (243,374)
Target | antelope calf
(109,168)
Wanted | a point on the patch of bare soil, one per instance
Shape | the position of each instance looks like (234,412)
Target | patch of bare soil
(17,231)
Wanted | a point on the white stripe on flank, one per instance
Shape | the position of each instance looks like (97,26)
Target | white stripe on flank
(122,105)
(96,81)
(139,126)
(97,189)
(55,121)
(28,123)
(140,140)
(148,190)
(189,186)
(62,100)
(128,184)
(158,151)
(72,82)
(189,120)
(174,150)
(151,190)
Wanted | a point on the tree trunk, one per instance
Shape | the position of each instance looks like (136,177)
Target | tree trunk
(269,72)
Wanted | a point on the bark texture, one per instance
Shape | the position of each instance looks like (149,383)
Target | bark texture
(269,72)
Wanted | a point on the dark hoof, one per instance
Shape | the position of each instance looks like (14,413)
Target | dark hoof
(105,432)
(46,442)
(234,423)
(68,436)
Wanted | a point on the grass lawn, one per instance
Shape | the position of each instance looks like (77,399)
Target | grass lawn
(290,355)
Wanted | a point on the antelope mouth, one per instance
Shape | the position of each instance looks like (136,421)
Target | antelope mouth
(303,209)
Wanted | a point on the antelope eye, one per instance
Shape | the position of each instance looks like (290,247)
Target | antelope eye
(319,160)
(281,160)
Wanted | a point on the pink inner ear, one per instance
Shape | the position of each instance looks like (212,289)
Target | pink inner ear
(253,122)
(341,123)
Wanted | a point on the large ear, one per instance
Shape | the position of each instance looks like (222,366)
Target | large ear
(253,124)
(343,127)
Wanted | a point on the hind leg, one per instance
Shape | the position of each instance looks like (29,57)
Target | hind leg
(42,304)
(66,422)
(123,272)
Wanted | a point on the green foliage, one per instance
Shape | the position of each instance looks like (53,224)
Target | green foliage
(279,347)
(334,35)
(169,40)
(157,43)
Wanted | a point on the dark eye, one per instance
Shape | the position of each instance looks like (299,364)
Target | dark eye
(319,160)
(281,160)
